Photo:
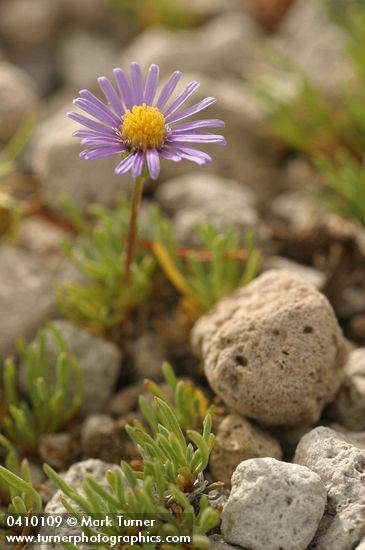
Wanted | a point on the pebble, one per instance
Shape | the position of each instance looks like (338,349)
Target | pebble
(273,505)
(74,54)
(313,43)
(341,467)
(100,362)
(273,351)
(349,405)
(57,449)
(18,98)
(238,440)
(54,159)
(149,353)
(26,296)
(198,197)
(105,438)
(309,274)
(74,477)
(217,42)
(26,24)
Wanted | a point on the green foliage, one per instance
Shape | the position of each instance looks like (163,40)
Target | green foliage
(181,463)
(169,489)
(17,491)
(161,12)
(103,300)
(209,274)
(134,497)
(344,193)
(330,130)
(49,407)
(10,153)
(190,406)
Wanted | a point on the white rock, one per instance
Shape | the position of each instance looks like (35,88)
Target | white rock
(273,505)
(273,350)
(341,467)
(18,96)
(54,158)
(310,274)
(349,405)
(74,477)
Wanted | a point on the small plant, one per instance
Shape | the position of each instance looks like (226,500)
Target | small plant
(102,300)
(344,192)
(142,127)
(49,407)
(190,405)
(17,491)
(168,488)
(205,276)
(331,130)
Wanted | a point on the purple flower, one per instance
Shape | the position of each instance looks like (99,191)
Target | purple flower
(140,127)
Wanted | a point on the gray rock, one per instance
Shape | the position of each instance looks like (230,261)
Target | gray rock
(314,43)
(29,24)
(310,274)
(74,54)
(349,405)
(26,297)
(355,438)
(100,362)
(243,159)
(273,506)
(18,96)
(105,438)
(285,208)
(238,440)
(217,43)
(198,197)
(74,477)
(55,160)
(273,351)
(57,449)
(361,545)
(216,542)
(149,353)
(340,466)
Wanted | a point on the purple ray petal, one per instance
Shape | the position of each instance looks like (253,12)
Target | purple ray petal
(196,138)
(125,165)
(100,141)
(137,164)
(151,84)
(137,83)
(153,163)
(94,111)
(111,95)
(199,157)
(184,96)
(101,152)
(81,119)
(90,134)
(192,110)
(85,94)
(169,154)
(168,89)
(196,124)
(124,88)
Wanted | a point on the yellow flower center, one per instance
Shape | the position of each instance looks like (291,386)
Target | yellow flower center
(143,127)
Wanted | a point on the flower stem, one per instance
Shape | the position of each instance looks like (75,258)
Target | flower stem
(132,230)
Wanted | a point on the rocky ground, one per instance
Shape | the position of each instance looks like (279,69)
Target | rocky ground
(284,355)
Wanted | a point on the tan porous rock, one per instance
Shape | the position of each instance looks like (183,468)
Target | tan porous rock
(237,440)
(273,351)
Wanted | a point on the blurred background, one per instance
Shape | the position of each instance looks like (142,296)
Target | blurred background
(289,78)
